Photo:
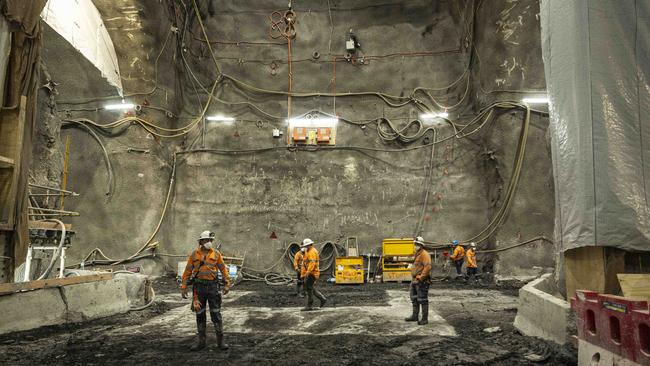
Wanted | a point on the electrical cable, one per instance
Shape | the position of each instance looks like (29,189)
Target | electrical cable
(109,167)
(48,270)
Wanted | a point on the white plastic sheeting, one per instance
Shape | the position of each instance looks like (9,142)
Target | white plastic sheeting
(597,64)
(79,22)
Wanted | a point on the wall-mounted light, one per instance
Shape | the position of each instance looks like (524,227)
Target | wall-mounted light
(220,118)
(429,116)
(119,106)
(536,100)
(313,122)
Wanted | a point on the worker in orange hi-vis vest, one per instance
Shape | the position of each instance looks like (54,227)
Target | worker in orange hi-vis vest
(310,273)
(420,281)
(201,273)
(472,268)
(297,266)
(458,257)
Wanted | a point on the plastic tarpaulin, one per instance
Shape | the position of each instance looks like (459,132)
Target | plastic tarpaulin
(80,23)
(597,64)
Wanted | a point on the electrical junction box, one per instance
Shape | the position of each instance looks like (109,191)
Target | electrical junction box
(300,134)
(276,132)
(349,45)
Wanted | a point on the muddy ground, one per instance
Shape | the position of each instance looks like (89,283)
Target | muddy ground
(151,337)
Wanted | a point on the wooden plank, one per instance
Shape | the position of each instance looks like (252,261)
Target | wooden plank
(635,285)
(593,268)
(10,288)
(47,225)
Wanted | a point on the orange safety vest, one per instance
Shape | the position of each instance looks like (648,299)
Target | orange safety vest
(421,266)
(459,253)
(310,263)
(297,260)
(471,258)
(212,262)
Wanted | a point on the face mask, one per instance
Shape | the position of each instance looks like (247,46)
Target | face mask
(303,249)
(417,247)
(208,245)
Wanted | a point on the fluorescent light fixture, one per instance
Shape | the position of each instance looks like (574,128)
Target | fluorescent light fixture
(121,106)
(313,122)
(219,118)
(536,100)
(434,115)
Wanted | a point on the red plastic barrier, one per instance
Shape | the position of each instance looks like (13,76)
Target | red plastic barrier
(617,324)
(618,331)
(641,319)
(586,306)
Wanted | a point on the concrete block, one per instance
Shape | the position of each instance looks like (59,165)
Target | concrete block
(31,309)
(543,315)
(134,286)
(95,299)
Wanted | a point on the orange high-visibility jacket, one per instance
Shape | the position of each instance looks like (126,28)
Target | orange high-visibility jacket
(310,263)
(212,262)
(471,258)
(421,266)
(459,253)
(297,260)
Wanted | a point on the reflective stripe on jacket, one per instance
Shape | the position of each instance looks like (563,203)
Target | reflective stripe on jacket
(471,258)
(297,260)
(212,262)
(421,265)
(310,263)
(459,253)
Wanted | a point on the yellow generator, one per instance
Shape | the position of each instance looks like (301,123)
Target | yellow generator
(396,257)
(349,269)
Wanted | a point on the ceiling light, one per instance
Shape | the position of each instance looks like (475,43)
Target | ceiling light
(220,118)
(536,100)
(120,106)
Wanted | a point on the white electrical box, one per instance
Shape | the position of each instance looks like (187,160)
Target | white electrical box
(276,132)
(349,45)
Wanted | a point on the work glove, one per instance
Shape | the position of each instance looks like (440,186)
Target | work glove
(226,289)
(184,292)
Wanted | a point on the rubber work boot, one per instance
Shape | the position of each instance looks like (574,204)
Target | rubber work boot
(322,302)
(414,316)
(307,308)
(425,315)
(220,344)
(200,344)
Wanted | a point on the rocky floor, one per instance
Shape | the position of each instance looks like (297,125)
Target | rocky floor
(361,325)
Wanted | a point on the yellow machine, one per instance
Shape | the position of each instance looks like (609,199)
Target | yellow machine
(397,256)
(349,269)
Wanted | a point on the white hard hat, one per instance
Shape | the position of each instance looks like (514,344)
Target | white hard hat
(419,240)
(206,235)
(306,242)
(472,244)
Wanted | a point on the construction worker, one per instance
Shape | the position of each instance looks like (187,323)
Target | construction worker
(420,281)
(471,261)
(297,266)
(310,273)
(458,257)
(201,273)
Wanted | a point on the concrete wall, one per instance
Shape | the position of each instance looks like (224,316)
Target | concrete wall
(67,304)
(327,195)
(540,314)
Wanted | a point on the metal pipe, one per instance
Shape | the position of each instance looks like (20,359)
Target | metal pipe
(51,210)
(53,189)
(49,194)
(56,214)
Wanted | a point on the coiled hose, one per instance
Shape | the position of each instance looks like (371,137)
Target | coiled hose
(328,253)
